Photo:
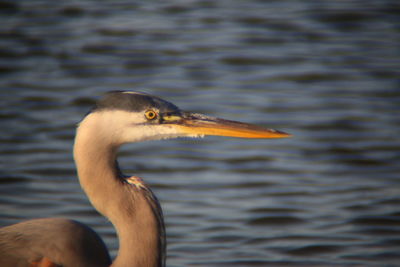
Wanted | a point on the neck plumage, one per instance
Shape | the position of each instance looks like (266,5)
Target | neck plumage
(133,210)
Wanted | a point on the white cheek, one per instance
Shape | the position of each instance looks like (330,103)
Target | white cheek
(137,133)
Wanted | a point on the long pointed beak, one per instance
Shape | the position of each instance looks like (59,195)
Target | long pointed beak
(198,124)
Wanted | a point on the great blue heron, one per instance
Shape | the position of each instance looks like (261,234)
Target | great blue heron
(118,118)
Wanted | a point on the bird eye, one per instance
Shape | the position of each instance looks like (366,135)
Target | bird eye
(150,114)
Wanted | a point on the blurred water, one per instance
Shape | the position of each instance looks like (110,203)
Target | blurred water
(325,71)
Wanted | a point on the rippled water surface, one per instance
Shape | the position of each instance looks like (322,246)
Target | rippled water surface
(325,71)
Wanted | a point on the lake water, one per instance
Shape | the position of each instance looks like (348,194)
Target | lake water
(325,71)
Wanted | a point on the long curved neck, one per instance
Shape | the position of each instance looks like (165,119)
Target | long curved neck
(133,211)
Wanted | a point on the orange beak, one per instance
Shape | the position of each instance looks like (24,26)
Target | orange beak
(198,124)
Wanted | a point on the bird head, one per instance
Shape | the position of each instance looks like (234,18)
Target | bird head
(133,117)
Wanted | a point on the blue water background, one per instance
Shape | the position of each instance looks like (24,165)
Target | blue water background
(325,71)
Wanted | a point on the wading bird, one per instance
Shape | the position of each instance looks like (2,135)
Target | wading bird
(118,118)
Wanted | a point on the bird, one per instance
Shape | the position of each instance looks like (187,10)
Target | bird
(117,118)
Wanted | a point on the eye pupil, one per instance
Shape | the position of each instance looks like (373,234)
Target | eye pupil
(150,114)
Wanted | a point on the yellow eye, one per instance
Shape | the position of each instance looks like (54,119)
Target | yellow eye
(150,114)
